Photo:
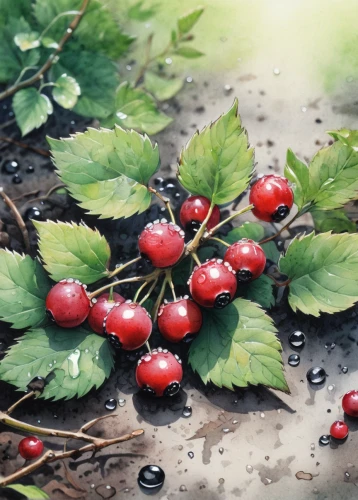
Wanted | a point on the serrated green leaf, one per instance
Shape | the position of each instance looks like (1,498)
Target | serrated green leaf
(23,289)
(162,88)
(31,109)
(188,20)
(297,172)
(260,291)
(332,220)
(323,270)
(107,171)
(27,41)
(136,109)
(78,360)
(73,250)
(66,91)
(237,346)
(188,52)
(346,136)
(217,162)
(31,492)
(97,77)
(249,230)
(138,13)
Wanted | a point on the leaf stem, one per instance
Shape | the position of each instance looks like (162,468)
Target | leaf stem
(123,266)
(220,241)
(18,218)
(228,219)
(166,202)
(168,275)
(286,226)
(279,283)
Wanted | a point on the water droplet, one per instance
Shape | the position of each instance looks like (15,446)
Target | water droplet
(168,60)
(16,179)
(187,411)
(294,360)
(345,369)
(201,279)
(262,415)
(276,71)
(128,67)
(221,480)
(324,440)
(110,404)
(106,491)
(249,469)
(235,422)
(191,454)
(303,109)
(228,89)
(33,213)
(313,446)
(297,339)
(221,451)
(189,79)
(150,477)
(30,169)
(331,388)
(226,430)
(121,116)
(347,474)
(10,167)
(182,488)
(333,345)
(122,402)
(316,375)
(73,360)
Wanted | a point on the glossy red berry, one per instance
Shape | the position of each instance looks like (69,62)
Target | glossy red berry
(128,325)
(213,284)
(30,447)
(350,403)
(100,309)
(339,430)
(180,319)
(247,259)
(67,303)
(272,198)
(159,373)
(194,210)
(162,243)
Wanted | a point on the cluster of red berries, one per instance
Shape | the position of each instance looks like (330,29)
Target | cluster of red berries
(339,429)
(212,284)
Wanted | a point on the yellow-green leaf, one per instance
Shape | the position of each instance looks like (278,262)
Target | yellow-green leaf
(31,109)
(66,91)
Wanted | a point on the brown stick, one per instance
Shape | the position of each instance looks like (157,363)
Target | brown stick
(47,65)
(18,403)
(18,218)
(22,145)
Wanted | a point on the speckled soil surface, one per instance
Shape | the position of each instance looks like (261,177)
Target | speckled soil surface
(245,444)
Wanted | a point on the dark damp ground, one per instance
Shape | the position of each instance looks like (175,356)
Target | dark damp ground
(243,444)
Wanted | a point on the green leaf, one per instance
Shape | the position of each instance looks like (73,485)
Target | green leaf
(31,109)
(332,220)
(323,270)
(27,41)
(161,88)
(217,162)
(77,359)
(346,136)
(271,251)
(97,78)
(14,10)
(30,492)
(237,346)
(107,171)
(66,91)
(188,52)
(249,230)
(260,291)
(188,20)
(23,289)
(49,43)
(137,109)
(72,250)
(138,13)
(297,172)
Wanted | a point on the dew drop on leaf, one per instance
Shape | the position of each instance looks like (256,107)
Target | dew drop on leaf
(73,359)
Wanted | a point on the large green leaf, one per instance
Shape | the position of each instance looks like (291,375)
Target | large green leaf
(136,109)
(23,289)
(323,270)
(66,91)
(332,220)
(187,21)
(346,136)
(72,250)
(97,77)
(237,346)
(107,171)
(77,359)
(297,172)
(31,492)
(217,162)
(162,88)
(31,109)
(260,291)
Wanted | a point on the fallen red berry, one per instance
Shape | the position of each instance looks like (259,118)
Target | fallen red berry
(213,284)
(246,258)
(272,198)
(30,447)
(350,403)
(159,373)
(339,429)
(67,303)
(100,309)
(128,325)
(193,212)
(162,243)
(180,319)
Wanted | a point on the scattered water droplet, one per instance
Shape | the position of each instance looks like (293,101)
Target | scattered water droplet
(313,446)
(151,476)
(235,422)
(226,430)
(10,167)
(249,469)
(221,451)
(16,179)
(30,169)
(106,491)
(297,339)
(73,360)
(168,60)
(183,488)
(221,480)
(324,440)
(331,388)
(191,454)
(276,71)
(303,109)
(345,369)
(294,360)
(316,375)
(262,415)
(121,402)
(110,404)
(187,411)
(189,79)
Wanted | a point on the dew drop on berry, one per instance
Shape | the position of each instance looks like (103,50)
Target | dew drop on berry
(151,477)
(110,404)
(316,375)
(294,360)
(323,440)
(187,411)
(297,339)
(201,279)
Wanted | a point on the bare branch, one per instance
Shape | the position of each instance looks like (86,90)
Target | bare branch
(18,218)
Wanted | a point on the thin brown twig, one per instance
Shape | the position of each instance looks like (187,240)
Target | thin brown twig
(51,59)
(46,196)
(25,195)
(18,402)
(18,218)
(286,226)
(23,145)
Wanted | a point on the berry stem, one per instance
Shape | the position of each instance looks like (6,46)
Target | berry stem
(193,245)
(110,296)
(135,298)
(120,268)
(159,300)
(220,241)
(148,347)
(225,221)
(195,258)
(115,283)
(283,228)
(154,284)
(166,202)
(168,275)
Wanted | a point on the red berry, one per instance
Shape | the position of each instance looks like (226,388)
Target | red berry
(350,403)
(161,243)
(194,210)
(100,310)
(213,284)
(179,319)
(339,429)
(246,258)
(67,303)
(30,447)
(128,325)
(272,198)
(159,373)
